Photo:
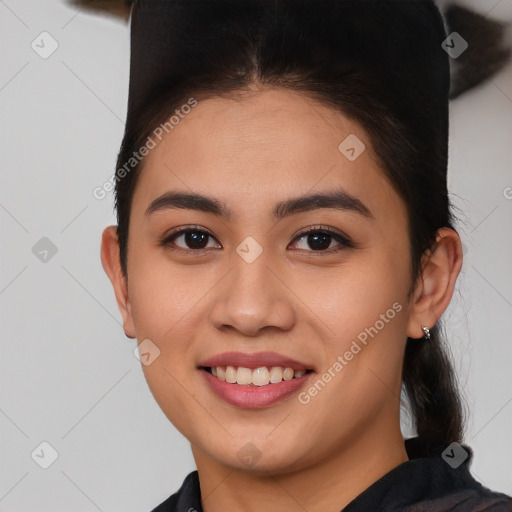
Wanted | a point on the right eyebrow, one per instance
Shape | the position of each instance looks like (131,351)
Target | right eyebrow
(188,201)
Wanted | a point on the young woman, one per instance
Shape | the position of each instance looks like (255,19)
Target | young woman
(285,250)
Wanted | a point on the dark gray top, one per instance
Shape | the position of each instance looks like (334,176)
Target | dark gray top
(432,480)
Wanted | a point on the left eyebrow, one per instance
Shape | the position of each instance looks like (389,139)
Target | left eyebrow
(337,199)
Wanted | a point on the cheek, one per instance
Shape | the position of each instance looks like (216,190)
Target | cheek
(363,305)
(165,306)
(352,297)
(162,295)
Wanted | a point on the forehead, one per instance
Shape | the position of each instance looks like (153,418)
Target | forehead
(250,150)
(258,130)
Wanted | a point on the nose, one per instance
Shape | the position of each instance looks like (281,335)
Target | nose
(253,298)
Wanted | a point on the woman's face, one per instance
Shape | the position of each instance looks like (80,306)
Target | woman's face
(254,281)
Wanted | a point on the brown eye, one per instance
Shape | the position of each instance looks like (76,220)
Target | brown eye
(188,240)
(196,239)
(320,240)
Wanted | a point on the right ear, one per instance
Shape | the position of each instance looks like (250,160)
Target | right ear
(112,265)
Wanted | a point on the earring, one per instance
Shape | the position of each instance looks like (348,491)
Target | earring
(426,332)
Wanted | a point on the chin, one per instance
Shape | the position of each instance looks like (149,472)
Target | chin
(261,457)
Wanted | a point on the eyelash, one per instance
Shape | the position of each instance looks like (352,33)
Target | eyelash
(344,241)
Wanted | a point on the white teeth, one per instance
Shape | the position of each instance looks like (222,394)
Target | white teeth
(244,376)
(230,374)
(260,376)
(276,374)
(257,377)
(288,374)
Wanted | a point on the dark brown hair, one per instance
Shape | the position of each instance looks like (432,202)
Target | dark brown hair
(222,50)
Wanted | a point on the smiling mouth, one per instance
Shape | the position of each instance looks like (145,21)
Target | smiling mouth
(254,377)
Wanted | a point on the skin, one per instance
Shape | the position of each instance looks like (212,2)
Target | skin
(251,152)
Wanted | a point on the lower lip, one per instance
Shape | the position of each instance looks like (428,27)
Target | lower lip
(254,396)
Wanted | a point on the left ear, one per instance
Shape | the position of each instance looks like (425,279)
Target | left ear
(436,283)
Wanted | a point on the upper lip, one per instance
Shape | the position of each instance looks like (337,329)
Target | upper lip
(255,360)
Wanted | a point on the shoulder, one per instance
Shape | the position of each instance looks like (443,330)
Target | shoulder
(434,479)
(453,487)
(472,499)
(475,497)
(467,501)
(449,472)
(187,498)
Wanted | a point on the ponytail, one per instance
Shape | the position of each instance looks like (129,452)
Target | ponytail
(432,390)
(487,52)
(428,375)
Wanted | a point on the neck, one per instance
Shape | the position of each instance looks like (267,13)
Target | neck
(327,485)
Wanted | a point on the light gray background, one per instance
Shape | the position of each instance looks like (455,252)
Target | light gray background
(68,374)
